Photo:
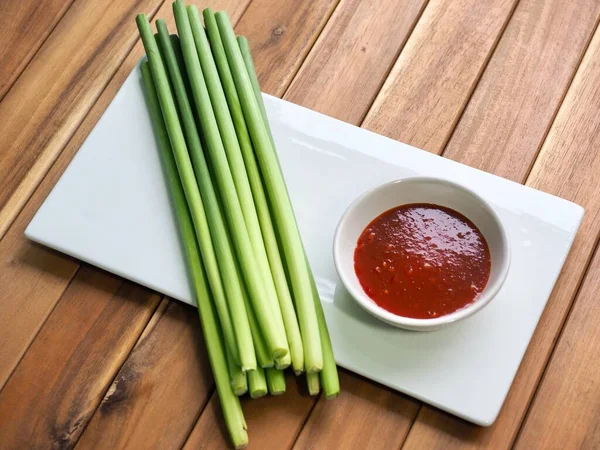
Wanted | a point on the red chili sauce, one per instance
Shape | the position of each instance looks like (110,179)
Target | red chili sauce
(422,261)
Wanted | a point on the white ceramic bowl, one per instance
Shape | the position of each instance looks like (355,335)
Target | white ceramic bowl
(419,190)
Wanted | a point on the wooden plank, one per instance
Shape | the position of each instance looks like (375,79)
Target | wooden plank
(353,56)
(61,379)
(365,415)
(273,421)
(24,26)
(49,100)
(32,278)
(235,9)
(283,32)
(570,388)
(565,413)
(523,86)
(437,71)
(163,385)
(35,277)
(567,161)
(209,431)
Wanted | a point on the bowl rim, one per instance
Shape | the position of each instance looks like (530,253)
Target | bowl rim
(490,291)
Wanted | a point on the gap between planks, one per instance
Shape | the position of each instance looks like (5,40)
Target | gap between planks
(531,164)
(127,52)
(25,188)
(109,82)
(29,57)
(573,297)
(580,286)
(15,250)
(288,85)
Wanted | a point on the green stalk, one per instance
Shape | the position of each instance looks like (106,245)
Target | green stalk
(275,339)
(230,403)
(329,375)
(275,381)
(277,193)
(177,49)
(262,353)
(312,382)
(238,328)
(257,383)
(206,245)
(244,46)
(260,200)
(283,362)
(237,377)
(236,162)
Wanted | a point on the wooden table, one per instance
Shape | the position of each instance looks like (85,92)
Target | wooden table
(89,359)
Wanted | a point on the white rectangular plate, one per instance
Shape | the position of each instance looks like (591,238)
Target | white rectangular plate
(111,209)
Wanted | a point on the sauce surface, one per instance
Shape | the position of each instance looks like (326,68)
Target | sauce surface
(422,261)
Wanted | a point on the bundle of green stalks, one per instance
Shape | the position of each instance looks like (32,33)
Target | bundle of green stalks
(258,304)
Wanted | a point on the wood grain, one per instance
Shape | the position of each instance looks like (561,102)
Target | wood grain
(565,412)
(273,421)
(438,69)
(64,374)
(365,416)
(501,129)
(32,279)
(566,409)
(158,394)
(510,112)
(35,276)
(351,59)
(23,28)
(567,162)
(283,32)
(49,100)
(209,431)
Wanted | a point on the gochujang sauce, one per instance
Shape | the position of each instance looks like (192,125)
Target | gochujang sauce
(422,261)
